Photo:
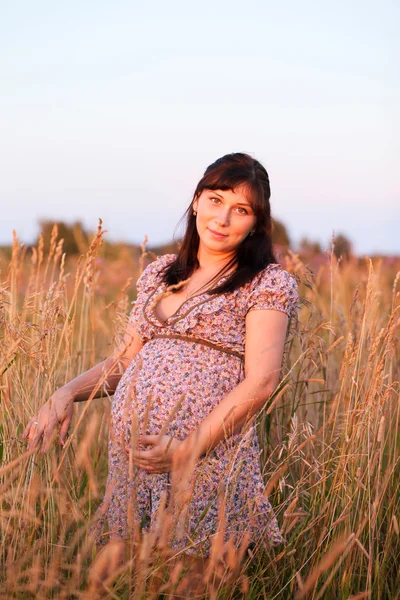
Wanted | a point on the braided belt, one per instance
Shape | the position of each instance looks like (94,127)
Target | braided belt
(188,338)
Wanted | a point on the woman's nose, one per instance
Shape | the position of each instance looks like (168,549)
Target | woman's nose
(223,217)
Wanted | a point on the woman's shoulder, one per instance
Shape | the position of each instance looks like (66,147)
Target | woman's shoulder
(150,274)
(273,287)
(161,261)
(273,274)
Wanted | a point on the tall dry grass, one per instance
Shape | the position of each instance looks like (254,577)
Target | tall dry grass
(330,440)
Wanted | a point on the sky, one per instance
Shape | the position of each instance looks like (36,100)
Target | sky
(115,110)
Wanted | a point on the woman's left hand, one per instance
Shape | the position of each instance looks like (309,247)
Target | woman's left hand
(160,456)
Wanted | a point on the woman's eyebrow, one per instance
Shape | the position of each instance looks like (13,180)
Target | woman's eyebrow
(241,203)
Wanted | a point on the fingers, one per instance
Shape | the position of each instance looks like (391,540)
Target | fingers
(44,424)
(64,430)
(148,460)
(27,428)
(34,434)
(143,454)
(149,439)
(37,429)
(155,470)
(47,435)
(148,468)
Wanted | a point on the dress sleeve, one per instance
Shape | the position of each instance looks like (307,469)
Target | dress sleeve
(274,288)
(146,283)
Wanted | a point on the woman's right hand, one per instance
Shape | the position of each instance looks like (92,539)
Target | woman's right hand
(58,410)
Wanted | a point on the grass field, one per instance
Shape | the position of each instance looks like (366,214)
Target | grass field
(330,440)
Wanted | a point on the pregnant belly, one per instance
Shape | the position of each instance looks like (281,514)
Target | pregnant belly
(173,385)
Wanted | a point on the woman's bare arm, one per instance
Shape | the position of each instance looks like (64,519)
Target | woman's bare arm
(264,345)
(265,340)
(103,377)
(107,373)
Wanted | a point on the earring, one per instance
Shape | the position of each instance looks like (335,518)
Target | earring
(252,231)
(195,212)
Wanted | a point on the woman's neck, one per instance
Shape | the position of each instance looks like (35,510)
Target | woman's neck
(208,261)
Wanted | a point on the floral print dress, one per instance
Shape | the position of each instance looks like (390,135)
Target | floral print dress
(194,359)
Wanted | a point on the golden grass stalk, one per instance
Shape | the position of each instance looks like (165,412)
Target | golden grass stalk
(329,439)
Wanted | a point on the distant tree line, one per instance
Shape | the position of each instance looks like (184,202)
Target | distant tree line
(342,247)
(77,239)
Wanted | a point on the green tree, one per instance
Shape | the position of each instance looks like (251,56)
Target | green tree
(309,248)
(280,235)
(74,236)
(342,247)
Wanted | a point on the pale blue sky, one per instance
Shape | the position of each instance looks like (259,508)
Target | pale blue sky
(115,109)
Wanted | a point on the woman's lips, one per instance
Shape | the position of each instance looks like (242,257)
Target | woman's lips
(216,234)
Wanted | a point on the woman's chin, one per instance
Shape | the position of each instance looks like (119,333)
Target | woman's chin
(215,246)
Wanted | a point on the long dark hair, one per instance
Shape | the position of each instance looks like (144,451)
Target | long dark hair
(255,252)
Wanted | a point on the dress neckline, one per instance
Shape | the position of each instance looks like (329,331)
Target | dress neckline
(177,311)
(161,288)
(175,316)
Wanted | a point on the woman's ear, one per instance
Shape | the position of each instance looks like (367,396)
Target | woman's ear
(195,205)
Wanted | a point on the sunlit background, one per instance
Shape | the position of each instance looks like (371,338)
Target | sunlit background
(114,110)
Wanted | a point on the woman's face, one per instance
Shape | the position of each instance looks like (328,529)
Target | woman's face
(224,212)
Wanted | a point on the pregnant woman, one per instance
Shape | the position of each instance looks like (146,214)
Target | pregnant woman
(201,355)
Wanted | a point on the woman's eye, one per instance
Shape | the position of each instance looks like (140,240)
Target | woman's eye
(241,210)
